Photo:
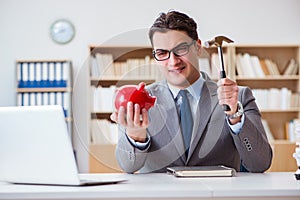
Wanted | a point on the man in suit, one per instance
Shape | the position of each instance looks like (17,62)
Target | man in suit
(155,140)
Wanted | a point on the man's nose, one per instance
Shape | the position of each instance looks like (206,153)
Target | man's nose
(173,60)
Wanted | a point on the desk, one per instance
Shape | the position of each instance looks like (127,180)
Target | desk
(272,185)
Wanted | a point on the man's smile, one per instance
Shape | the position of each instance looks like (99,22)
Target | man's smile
(178,69)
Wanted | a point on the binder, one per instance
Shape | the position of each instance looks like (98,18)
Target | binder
(44,73)
(66,103)
(39,101)
(65,73)
(25,99)
(19,75)
(58,75)
(32,81)
(51,98)
(51,71)
(38,74)
(25,75)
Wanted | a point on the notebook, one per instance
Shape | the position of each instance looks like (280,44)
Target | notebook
(35,148)
(201,171)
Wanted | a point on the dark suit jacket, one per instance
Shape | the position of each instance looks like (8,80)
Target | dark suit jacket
(212,143)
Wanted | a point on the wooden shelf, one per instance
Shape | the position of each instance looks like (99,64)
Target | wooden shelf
(269,78)
(290,83)
(122,53)
(119,82)
(100,115)
(41,61)
(22,90)
(291,110)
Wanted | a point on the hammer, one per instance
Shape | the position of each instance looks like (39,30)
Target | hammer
(217,41)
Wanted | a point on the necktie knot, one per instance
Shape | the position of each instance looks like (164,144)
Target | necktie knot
(183,93)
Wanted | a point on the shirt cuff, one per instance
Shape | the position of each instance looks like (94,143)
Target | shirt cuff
(236,128)
(139,145)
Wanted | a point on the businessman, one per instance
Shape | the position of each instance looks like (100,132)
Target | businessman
(188,126)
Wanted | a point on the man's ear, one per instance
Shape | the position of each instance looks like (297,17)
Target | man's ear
(198,47)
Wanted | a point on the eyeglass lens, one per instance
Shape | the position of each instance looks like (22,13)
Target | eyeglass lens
(180,50)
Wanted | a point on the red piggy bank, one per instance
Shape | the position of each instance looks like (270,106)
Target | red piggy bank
(134,93)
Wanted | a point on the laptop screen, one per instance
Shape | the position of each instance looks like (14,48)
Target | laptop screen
(35,146)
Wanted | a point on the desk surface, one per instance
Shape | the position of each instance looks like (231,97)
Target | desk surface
(273,185)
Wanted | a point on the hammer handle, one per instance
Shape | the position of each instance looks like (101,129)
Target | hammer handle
(222,73)
(226,107)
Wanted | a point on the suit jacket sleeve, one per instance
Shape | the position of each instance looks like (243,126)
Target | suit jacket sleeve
(129,157)
(252,143)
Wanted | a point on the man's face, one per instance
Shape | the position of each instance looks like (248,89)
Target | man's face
(180,71)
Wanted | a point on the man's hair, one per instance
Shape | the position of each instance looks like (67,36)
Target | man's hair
(174,20)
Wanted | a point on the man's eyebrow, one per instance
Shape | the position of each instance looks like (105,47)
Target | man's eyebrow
(183,43)
(161,50)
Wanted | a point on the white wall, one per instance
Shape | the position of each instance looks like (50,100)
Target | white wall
(24,30)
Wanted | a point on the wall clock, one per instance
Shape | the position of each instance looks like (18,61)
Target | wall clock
(62,31)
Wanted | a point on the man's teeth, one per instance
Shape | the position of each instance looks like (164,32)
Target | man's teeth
(177,70)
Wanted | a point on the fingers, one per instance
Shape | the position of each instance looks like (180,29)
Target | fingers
(114,117)
(145,121)
(121,116)
(131,117)
(137,119)
(228,94)
(130,114)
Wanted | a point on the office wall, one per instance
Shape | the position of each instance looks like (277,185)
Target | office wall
(24,28)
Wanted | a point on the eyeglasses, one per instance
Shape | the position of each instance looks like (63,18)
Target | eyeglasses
(180,50)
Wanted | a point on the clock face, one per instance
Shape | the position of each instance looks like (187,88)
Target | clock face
(62,31)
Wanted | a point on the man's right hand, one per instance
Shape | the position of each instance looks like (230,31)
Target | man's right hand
(133,121)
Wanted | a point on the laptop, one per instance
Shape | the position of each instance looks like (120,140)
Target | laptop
(35,148)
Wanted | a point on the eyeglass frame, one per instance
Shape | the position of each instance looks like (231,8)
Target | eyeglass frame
(172,50)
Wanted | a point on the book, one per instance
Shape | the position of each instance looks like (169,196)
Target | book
(247,65)
(202,171)
(238,64)
(272,67)
(293,130)
(291,68)
(264,66)
(256,66)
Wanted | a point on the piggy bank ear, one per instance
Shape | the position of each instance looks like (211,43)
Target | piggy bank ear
(141,86)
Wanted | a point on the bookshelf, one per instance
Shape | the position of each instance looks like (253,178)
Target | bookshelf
(276,118)
(45,82)
(276,110)
(111,67)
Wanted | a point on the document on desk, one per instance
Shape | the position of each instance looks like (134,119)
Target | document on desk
(202,171)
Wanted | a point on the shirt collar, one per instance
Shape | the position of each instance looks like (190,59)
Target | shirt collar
(194,89)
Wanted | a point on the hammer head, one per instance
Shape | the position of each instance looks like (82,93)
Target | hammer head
(218,40)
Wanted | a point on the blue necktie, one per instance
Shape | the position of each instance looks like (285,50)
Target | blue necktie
(186,120)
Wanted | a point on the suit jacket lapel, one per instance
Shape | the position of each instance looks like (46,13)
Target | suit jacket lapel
(208,101)
(168,112)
